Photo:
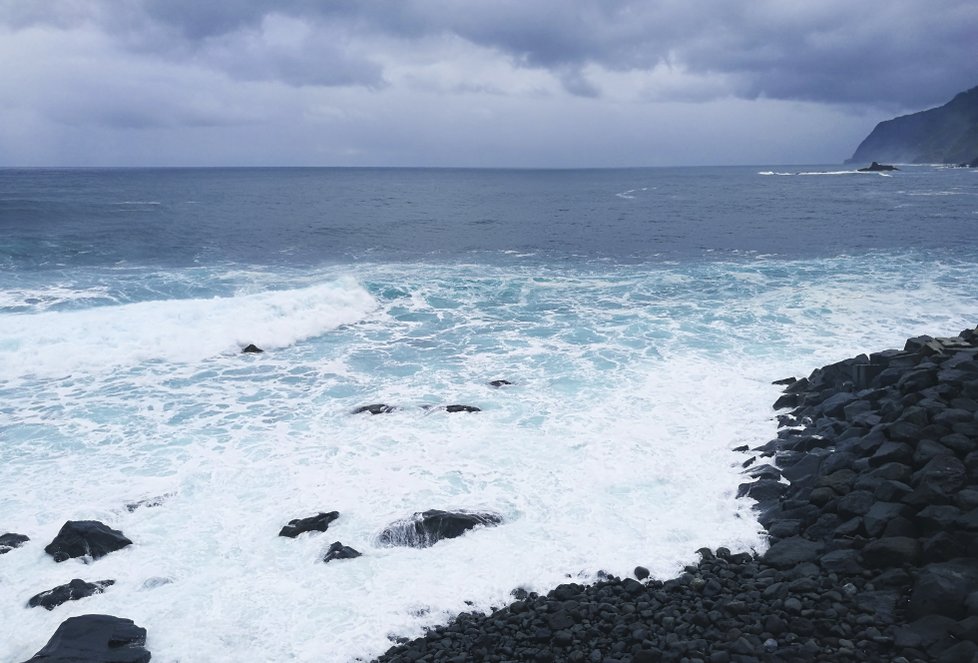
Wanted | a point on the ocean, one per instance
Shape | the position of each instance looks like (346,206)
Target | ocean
(640,315)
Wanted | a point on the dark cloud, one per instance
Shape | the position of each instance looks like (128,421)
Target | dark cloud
(900,53)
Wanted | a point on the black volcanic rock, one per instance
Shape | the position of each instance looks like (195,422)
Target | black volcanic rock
(374,408)
(948,134)
(95,639)
(72,591)
(317,523)
(425,529)
(499,383)
(338,551)
(251,348)
(79,538)
(877,168)
(10,540)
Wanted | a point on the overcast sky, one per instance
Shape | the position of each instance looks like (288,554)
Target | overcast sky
(565,83)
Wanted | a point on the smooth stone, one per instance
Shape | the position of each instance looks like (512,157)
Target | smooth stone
(72,591)
(95,639)
(318,523)
(891,551)
(79,538)
(944,587)
(792,551)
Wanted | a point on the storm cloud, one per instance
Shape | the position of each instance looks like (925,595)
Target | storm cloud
(348,72)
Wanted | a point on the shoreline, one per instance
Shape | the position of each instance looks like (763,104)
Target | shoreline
(869,495)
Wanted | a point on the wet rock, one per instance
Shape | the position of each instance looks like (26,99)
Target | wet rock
(251,348)
(72,591)
(944,587)
(499,383)
(338,551)
(427,528)
(80,538)
(95,639)
(10,540)
(317,523)
(374,408)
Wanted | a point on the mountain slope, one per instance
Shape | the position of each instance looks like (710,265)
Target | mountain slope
(948,134)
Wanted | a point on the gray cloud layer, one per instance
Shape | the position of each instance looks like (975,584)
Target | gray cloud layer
(164,63)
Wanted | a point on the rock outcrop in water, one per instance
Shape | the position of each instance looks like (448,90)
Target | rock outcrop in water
(251,348)
(948,134)
(374,408)
(95,639)
(870,497)
(72,591)
(877,168)
(80,538)
(338,551)
(10,540)
(317,523)
(425,529)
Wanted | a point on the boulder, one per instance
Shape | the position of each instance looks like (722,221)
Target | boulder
(425,529)
(338,551)
(943,588)
(95,638)
(499,383)
(79,538)
(74,590)
(251,348)
(318,523)
(891,551)
(792,551)
(10,540)
(877,168)
(374,408)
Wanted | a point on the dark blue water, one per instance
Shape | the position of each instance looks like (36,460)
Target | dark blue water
(178,217)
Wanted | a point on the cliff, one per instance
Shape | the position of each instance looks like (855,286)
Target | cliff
(948,134)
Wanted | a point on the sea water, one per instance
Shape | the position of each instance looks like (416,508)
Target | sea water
(640,315)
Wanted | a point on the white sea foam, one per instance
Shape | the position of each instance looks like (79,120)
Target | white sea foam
(612,449)
(103,338)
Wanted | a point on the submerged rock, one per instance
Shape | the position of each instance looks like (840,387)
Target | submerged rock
(499,383)
(74,590)
(425,529)
(148,503)
(251,348)
(374,408)
(79,538)
(451,408)
(95,639)
(10,540)
(318,523)
(338,551)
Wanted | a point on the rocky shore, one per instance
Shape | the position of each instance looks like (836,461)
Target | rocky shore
(869,494)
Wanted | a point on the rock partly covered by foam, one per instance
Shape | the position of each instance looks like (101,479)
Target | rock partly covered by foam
(72,591)
(877,168)
(374,408)
(95,639)
(251,348)
(79,538)
(10,540)
(317,523)
(338,551)
(869,494)
(425,529)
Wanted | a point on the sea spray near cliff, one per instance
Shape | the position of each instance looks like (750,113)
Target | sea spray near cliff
(633,378)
